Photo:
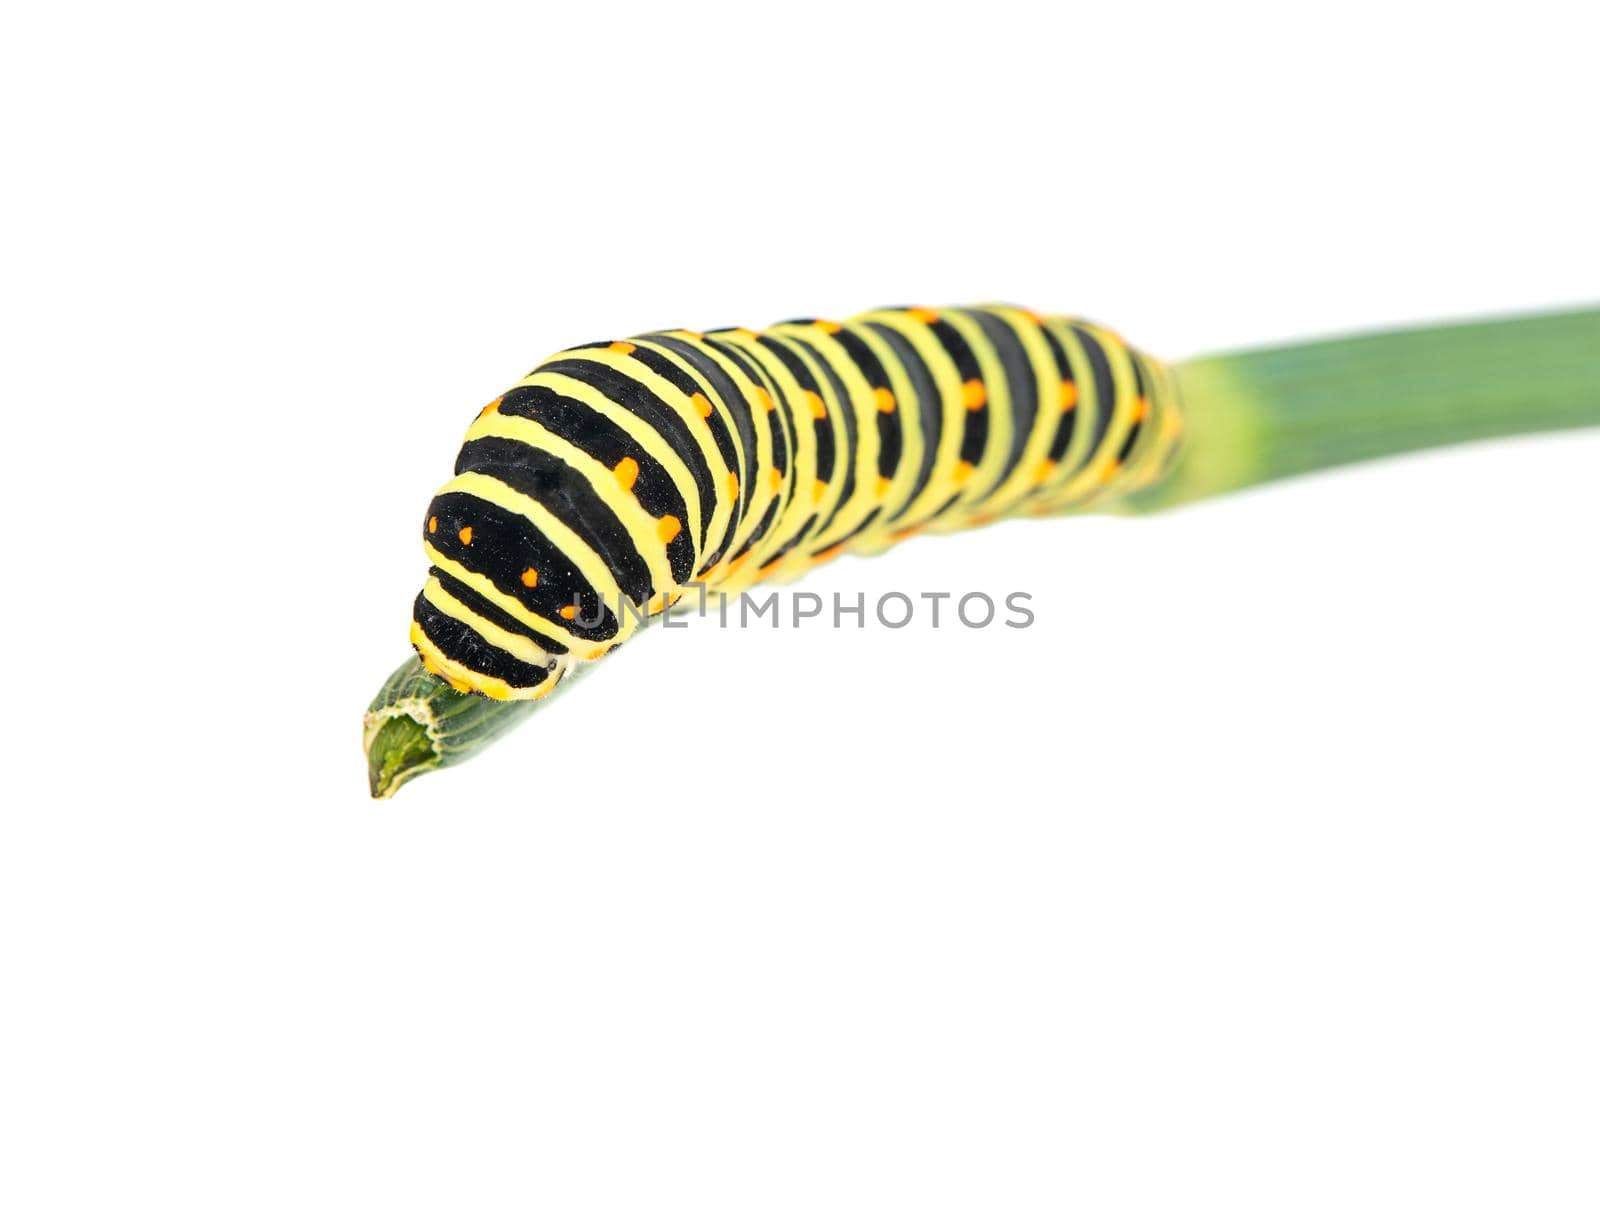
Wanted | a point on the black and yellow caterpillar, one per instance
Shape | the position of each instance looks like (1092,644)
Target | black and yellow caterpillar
(615,475)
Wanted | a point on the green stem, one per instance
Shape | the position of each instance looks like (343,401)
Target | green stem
(418,723)
(1261,415)
(1249,417)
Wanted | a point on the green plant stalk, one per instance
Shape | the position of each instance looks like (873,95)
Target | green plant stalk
(1249,417)
(418,723)
(1261,415)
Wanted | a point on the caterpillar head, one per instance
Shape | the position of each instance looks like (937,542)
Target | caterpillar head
(504,613)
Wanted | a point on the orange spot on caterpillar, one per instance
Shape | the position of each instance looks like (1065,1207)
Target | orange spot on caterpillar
(433,525)
(701,405)
(530,578)
(818,491)
(777,479)
(819,410)
(465,535)
(569,612)
(828,326)
(926,314)
(1109,471)
(1069,395)
(884,399)
(733,482)
(1044,471)
(492,406)
(627,473)
(620,347)
(963,471)
(763,399)
(883,486)
(973,394)
(668,527)
(1140,409)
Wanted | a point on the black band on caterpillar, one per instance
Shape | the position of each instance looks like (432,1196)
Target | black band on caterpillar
(615,475)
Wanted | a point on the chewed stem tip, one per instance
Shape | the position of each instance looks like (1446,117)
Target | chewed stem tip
(417,723)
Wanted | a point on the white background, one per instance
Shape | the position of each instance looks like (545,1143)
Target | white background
(1259,873)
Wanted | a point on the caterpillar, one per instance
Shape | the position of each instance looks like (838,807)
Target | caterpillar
(614,475)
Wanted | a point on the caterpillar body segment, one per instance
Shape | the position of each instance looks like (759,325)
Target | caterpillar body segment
(615,476)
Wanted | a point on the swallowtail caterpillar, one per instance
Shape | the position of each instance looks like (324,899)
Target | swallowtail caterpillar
(618,476)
